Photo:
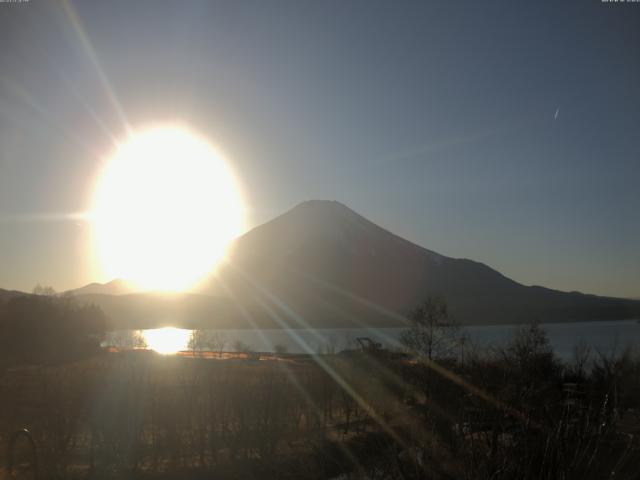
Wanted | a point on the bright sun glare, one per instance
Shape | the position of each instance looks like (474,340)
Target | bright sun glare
(166,207)
(167,340)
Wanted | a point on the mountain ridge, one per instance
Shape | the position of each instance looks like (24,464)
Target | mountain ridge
(117,286)
(337,249)
(322,265)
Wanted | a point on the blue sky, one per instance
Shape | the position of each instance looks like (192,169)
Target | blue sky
(436,120)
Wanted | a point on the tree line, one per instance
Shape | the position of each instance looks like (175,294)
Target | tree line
(46,327)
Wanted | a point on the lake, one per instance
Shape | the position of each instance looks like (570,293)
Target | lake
(602,336)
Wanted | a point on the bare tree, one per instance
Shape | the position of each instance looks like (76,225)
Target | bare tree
(241,347)
(581,358)
(432,332)
(197,341)
(44,290)
(218,341)
(529,345)
(463,340)
(139,341)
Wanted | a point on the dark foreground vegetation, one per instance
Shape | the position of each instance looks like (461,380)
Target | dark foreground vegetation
(513,412)
(45,328)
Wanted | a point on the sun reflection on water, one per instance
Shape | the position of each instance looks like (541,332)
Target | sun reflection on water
(167,340)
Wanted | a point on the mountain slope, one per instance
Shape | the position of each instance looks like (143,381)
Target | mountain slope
(322,264)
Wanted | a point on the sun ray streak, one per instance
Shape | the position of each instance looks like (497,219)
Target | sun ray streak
(287,368)
(293,379)
(46,217)
(46,117)
(92,113)
(244,312)
(457,379)
(352,296)
(299,322)
(361,401)
(378,333)
(72,88)
(388,339)
(85,42)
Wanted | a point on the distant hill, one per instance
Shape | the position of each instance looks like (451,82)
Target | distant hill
(114,287)
(152,310)
(323,265)
(5,295)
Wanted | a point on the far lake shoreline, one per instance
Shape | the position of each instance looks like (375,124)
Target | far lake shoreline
(603,336)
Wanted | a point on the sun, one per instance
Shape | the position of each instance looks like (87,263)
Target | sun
(165,209)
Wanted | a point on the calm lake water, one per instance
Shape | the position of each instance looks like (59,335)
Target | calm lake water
(603,336)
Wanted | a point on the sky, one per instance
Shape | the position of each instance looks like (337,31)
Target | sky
(505,132)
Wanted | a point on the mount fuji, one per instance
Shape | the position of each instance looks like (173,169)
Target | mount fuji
(322,265)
